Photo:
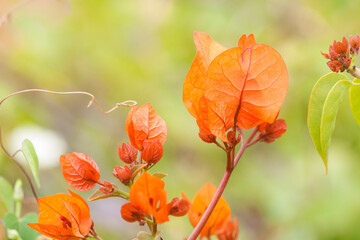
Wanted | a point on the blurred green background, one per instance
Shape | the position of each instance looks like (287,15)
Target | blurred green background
(142,50)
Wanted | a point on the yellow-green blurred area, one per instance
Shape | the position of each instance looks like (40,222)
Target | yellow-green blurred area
(141,50)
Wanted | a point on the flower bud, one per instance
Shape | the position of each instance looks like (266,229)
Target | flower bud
(270,132)
(127,153)
(153,151)
(123,174)
(354,44)
(107,188)
(208,138)
(130,213)
(178,207)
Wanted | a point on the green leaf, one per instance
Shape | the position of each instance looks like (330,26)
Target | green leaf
(26,232)
(324,103)
(160,174)
(32,159)
(6,194)
(355,100)
(146,236)
(11,221)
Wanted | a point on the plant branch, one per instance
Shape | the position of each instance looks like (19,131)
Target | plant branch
(211,206)
(20,166)
(354,71)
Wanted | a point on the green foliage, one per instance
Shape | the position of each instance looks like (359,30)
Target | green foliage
(355,100)
(146,236)
(32,159)
(25,231)
(6,194)
(324,103)
(11,221)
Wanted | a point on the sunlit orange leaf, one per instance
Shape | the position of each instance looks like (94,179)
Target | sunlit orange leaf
(148,194)
(248,82)
(230,230)
(206,50)
(144,123)
(80,171)
(63,216)
(217,218)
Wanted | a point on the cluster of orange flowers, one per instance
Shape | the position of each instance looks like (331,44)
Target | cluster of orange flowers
(226,90)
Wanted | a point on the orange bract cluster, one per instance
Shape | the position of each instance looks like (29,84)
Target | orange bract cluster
(148,197)
(219,222)
(341,53)
(243,86)
(63,217)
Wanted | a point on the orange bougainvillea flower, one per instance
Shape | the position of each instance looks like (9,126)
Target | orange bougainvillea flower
(63,216)
(149,196)
(201,201)
(80,171)
(130,213)
(144,123)
(178,207)
(248,82)
(230,230)
(127,153)
(270,132)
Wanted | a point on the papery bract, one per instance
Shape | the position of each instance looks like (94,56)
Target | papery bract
(270,132)
(123,174)
(63,216)
(178,207)
(130,213)
(80,171)
(230,230)
(144,123)
(248,82)
(218,216)
(153,152)
(127,153)
(149,196)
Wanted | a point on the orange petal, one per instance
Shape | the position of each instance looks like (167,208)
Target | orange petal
(250,83)
(200,203)
(246,41)
(80,171)
(193,91)
(54,232)
(148,194)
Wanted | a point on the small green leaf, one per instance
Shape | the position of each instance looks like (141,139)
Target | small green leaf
(97,195)
(146,236)
(26,232)
(32,159)
(324,103)
(6,194)
(160,174)
(355,100)
(11,221)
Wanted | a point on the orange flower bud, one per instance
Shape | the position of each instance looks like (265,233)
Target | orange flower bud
(130,213)
(107,189)
(270,132)
(178,207)
(208,138)
(123,174)
(127,153)
(153,151)
(354,44)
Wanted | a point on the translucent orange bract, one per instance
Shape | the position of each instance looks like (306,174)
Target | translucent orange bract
(248,82)
(63,216)
(219,215)
(149,196)
(143,123)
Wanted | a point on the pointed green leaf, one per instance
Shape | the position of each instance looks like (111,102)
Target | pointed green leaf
(323,107)
(11,221)
(355,100)
(6,194)
(32,159)
(146,236)
(160,174)
(26,232)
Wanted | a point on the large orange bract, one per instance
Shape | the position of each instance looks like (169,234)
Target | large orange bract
(248,82)
(219,215)
(63,217)
(149,196)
